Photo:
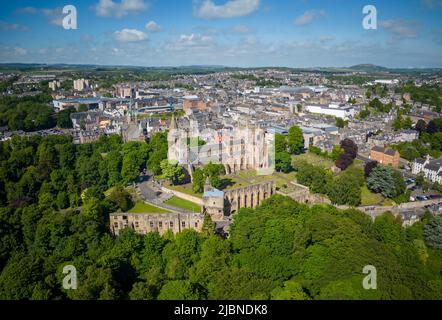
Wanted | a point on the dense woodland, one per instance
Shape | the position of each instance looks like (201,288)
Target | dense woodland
(54,213)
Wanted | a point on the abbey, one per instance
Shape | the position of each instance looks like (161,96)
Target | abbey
(242,148)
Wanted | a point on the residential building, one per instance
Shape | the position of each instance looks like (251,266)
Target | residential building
(385,156)
(81,84)
(431,168)
(54,85)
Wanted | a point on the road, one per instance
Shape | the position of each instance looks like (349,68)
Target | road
(150,193)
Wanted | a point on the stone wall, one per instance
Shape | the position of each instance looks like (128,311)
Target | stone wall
(144,223)
(247,197)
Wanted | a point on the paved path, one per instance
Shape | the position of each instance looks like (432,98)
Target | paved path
(153,195)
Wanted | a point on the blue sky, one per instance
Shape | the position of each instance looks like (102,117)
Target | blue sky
(245,33)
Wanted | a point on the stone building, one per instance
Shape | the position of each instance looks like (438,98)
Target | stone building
(221,204)
(144,223)
(213,202)
(246,148)
(385,156)
(194,102)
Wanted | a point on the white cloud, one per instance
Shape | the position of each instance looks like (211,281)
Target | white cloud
(130,35)
(207,9)
(192,44)
(309,16)
(12,26)
(400,29)
(153,26)
(324,39)
(54,16)
(241,29)
(109,8)
(20,51)
(194,39)
(30,10)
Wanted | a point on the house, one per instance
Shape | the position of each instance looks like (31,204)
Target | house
(385,156)
(431,169)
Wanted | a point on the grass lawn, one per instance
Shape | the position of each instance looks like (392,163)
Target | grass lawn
(142,207)
(369,198)
(282,178)
(184,188)
(313,159)
(183,204)
(246,178)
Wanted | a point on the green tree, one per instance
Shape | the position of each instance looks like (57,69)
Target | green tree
(433,233)
(121,198)
(213,171)
(280,143)
(340,123)
(295,140)
(64,119)
(172,171)
(387,181)
(198,181)
(345,191)
(283,162)
(336,152)
(141,291)
(179,290)
(291,290)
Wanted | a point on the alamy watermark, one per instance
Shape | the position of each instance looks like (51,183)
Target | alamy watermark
(70,20)
(70,280)
(370,281)
(370,21)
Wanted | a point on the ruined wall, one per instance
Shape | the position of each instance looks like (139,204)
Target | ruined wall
(144,223)
(247,197)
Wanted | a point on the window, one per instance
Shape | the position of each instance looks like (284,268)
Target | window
(151,224)
(183,224)
(196,224)
(116,224)
(160,224)
(171,224)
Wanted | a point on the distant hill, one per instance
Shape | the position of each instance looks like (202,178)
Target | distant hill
(368,68)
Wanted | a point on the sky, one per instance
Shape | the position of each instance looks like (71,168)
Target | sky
(236,33)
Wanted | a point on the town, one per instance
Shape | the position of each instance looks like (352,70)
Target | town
(220,154)
(379,116)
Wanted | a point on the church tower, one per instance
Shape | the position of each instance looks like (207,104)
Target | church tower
(207,185)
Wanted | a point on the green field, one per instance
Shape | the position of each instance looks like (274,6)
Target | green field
(369,198)
(313,159)
(183,204)
(142,207)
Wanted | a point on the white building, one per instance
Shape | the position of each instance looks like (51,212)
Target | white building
(338,111)
(81,84)
(431,169)
(54,85)
(388,82)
